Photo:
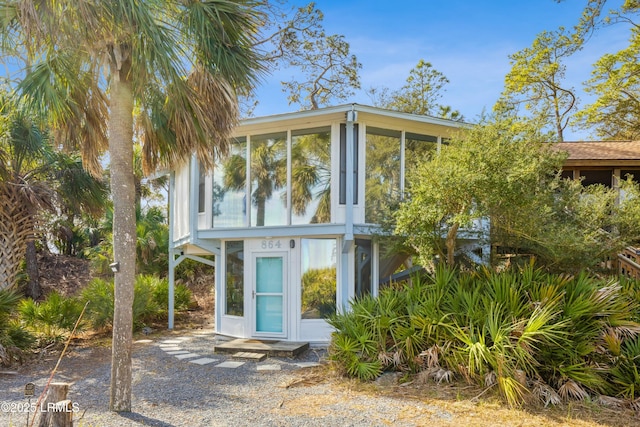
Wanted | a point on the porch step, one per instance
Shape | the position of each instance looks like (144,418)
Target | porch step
(244,355)
(270,348)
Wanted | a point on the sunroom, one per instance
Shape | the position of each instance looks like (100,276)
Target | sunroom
(290,215)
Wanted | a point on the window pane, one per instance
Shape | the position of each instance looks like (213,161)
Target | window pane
(234,279)
(418,148)
(635,173)
(269,274)
(363,255)
(591,177)
(269,313)
(229,190)
(201,190)
(310,177)
(268,179)
(343,164)
(318,278)
(382,179)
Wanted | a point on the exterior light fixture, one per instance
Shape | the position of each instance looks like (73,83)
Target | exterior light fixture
(115,266)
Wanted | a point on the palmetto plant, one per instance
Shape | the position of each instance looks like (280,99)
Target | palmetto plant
(13,337)
(557,337)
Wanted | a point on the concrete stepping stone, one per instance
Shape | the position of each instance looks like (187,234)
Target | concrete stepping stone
(173,353)
(244,355)
(205,332)
(186,355)
(142,341)
(203,361)
(307,364)
(173,341)
(269,368)
(170,347)
(230,364)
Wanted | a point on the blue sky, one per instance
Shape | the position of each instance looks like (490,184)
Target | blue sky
(468,41)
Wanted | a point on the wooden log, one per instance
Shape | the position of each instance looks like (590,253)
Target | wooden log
(56,410)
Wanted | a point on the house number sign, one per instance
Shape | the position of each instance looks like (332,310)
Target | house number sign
(271,244)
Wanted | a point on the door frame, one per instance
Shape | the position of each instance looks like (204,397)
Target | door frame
(285,297)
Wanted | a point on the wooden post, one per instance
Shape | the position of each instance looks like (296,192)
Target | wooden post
(56,411)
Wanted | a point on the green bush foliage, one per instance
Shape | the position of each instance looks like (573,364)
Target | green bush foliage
(182,296)
(13,336)
(150,300)
(530,333)
(51,318)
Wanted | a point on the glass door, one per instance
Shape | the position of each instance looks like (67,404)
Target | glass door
(269,294)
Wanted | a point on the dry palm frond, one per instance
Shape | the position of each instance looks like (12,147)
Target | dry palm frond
(385,358)
(490,379)
(431,356)
(397,358)
(572,390)
(309,378)
(610,402)
(436,374)
(545,393)
(635,404)
(443,375)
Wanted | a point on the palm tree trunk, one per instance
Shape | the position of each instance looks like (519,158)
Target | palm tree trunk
(124,231)
(16,224)
(34,290)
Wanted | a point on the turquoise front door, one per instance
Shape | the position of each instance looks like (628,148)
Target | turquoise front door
(269,294)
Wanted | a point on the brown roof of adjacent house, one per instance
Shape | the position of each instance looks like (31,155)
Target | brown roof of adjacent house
(610,153)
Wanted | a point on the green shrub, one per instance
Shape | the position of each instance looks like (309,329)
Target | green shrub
(181,294)
(99,294)
(51,318)
(557,337)
(13,336)
(150,300)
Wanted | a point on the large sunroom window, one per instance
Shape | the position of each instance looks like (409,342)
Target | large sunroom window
(390,158)
(268,177)
(229,189)
(311,176)
(382,179)
(286,181)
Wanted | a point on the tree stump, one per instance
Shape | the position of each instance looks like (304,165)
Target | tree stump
(56,410)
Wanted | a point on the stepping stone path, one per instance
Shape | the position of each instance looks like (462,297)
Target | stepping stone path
(203,339)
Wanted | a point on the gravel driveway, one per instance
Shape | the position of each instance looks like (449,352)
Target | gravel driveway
(173,391)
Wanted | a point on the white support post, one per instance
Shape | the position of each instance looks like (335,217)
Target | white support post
(349,140)
(172,276)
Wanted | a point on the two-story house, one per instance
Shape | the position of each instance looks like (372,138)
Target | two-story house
(290,213)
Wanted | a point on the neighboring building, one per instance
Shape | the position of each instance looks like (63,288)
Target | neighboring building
(290,214)
(601,162)
(606,163)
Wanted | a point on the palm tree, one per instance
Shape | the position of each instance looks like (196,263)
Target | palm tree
(35,179)
(94,66)
(24,156)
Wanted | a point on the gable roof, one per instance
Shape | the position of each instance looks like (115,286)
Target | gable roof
(601,153)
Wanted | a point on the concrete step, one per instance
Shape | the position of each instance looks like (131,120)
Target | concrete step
(268,347)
